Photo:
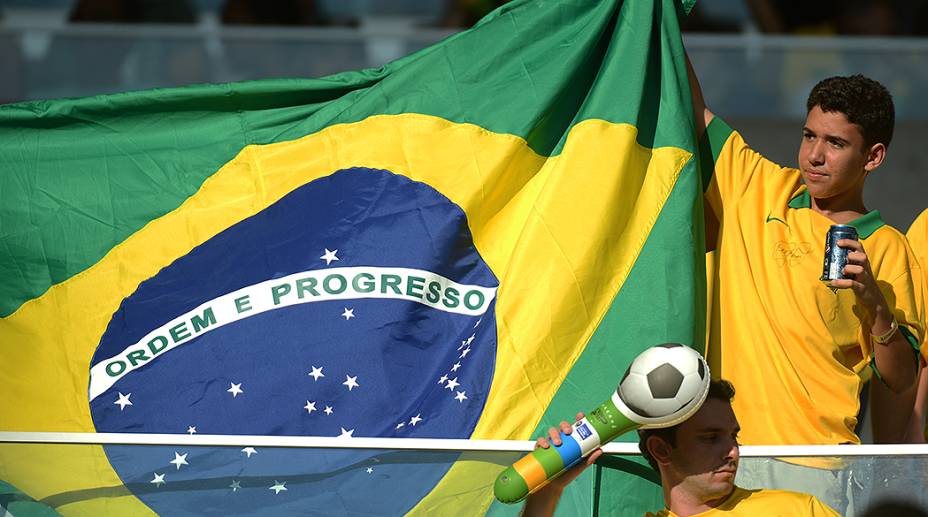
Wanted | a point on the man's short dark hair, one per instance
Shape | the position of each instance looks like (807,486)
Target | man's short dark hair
(718,389)
(863,101)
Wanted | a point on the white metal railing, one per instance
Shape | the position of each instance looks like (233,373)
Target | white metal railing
(426,444)
(206,469)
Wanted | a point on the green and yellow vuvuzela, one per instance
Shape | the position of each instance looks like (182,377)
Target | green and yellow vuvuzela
(562,129)
(663,386)
(535,470)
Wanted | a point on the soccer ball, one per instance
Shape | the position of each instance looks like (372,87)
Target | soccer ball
(663,386)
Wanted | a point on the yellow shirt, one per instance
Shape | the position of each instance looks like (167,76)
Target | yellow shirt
(795,350)
(766,503)
(918,236)
(918,239)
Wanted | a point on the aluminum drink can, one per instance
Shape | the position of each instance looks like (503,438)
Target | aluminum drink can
(836,256)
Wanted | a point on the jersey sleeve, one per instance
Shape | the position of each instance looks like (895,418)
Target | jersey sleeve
(918,240)
(905,292)
(820,509)
(730,168)
(910,305)
(913,328)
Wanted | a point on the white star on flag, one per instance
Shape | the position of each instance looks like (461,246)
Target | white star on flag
(370,470)
(235,485)
(249,451)
(346,433)
(351,382)
(328,410)
(455,367)
(310,407)
(329,256)
(471,338)
(443,379)
(159,479)
(123,401)
(179,459)
(400,425)
(453,383)
(478,323)
(192,429)
(464,353)
(461,397)
(278,487)
(348,314)
(235,389)
(316,373)
(415,420)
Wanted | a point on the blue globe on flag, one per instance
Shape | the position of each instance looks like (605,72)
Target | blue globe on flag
(355,306)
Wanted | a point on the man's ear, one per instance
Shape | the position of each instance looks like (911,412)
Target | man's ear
(659,448)
(875,156)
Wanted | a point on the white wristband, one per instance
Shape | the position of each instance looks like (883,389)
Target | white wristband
(883,339)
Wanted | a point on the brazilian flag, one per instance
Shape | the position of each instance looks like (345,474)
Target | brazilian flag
(470,242)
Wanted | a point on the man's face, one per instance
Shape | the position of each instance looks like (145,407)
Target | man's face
(833,157)
(705,458)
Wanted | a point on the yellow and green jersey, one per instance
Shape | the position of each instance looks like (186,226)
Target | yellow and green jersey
(796,350)
(770,503)
(918,239)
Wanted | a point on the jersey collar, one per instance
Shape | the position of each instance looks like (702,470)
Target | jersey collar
(865,224)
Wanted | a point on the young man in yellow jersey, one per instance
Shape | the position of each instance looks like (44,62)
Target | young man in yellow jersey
(799,349)
(697,460)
